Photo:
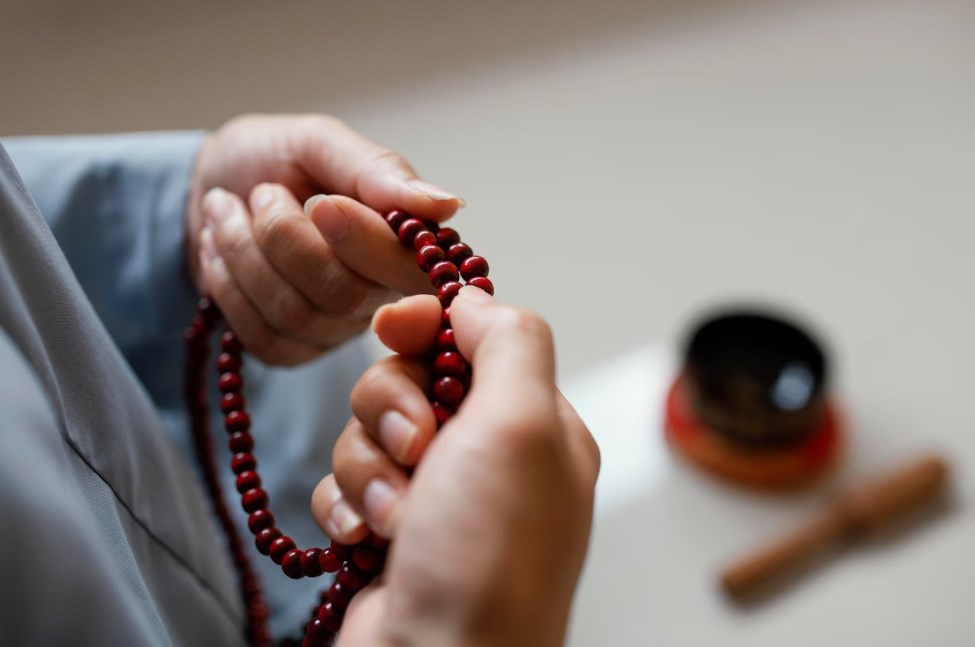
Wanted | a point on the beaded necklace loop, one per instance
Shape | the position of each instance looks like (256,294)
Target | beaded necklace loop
(441,254)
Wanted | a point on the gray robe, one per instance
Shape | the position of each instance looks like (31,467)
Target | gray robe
(107,537)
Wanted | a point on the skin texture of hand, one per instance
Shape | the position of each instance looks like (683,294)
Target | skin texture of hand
(490,533)
(293,282)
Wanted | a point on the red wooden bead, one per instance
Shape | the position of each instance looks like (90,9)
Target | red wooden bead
(310,564)
(395,218)
(458,253)
(338,597)
(230,344)
(447,237)
(248,481)
(428,256)
(315,627)
(228,363)
(230,382)
(445,340)
(409,229)
(450,363)
(264,539)
(442,412)
(329,562)
(351,578)
(448,291)
(291,564)
(243,462)
(445,318)
(330,617)
(482,282)
(237,421)
(260,519)
(241,441)
(232,402)
(253,499)
(424,238)
(449,390)
(280,547)
(432,225)
(368,560)
(474,266)
(342,551)
(378,542)
(443,272)
(200,324)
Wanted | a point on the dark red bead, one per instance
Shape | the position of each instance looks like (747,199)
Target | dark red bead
(378,542)
(232,402)
(291,564)
(329,562)
(428,256)
(338,597)
(342,551)
(443,272)
(241,441)
(409,229)
(248,481)
(230,344)
(228,362)
(432,225)
(200,324)
(264,539)
(423,239)
(253,499)
(445,318)
(230,382)
(310,564)
(442,412)
(315,626)
(458,253)
(330,617)
(260,519)
(280,547)
(351,578)
(450,363)
(208,308)
(368,560)
(243,462)
(445,340)
(482,282)
(395,218)
(448,291)
(474,266)
(449,390)
(447,237)
(237,421)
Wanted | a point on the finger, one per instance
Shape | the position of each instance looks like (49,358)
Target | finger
(362,240)
(511,352)
(348,163)
(581,443)
(334,515)
(411,326)
(369,479)
(280,304)
(293,245)
(242,316)
(390,401)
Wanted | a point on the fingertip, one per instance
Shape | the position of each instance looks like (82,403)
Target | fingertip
(310,203)
(410,325)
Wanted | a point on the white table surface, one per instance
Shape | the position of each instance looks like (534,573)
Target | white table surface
(663,530)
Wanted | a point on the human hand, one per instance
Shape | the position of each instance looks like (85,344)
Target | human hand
(292,283)
(490,533)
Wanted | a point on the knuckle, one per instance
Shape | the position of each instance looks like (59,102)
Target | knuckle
(276,229)
(524,322)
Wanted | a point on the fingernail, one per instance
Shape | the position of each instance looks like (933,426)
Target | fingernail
(311,202)
(345,518)
(207,246)
(381,500)
(397,434)
(435,192)
(262,196)
(333,223)
(474,294)
(216,205)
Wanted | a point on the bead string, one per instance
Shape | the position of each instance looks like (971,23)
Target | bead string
(441,254)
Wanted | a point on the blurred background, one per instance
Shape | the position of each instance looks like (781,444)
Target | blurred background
(627,164)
